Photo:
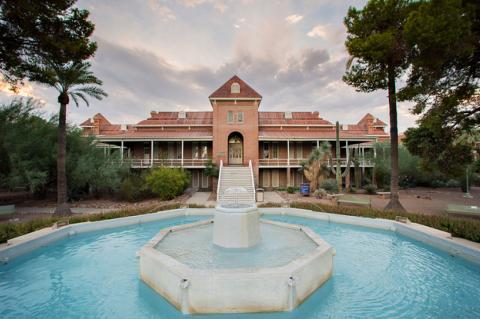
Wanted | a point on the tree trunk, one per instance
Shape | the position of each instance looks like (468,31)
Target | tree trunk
(63,207)
(394,204)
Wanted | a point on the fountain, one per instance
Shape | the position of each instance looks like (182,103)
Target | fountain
(236,262)
(236,225)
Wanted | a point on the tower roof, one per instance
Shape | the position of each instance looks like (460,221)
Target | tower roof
(227,92)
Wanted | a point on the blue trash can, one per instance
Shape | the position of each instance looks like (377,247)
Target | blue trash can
(305,189)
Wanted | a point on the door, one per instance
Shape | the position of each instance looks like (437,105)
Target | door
(235,149)
(195,179)
(275,178)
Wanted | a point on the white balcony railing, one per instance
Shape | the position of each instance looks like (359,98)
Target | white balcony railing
(283,162)
(169,162)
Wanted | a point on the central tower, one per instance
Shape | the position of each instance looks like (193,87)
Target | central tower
(235,123)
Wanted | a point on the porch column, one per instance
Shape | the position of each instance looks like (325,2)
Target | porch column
(288,153)
(318,144)
(151,153)
(121,150)
(347,150)
(288,162)
(363,161)
(182,153)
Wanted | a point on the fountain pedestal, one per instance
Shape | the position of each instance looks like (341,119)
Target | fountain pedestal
(236,226)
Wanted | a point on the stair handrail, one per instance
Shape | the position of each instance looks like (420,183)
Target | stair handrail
(218,182)
(253,182)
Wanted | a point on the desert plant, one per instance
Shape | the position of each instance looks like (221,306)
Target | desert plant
(315,167)
(320,193)
(337,169)
(330,185)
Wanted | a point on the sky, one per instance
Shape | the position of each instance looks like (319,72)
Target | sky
(165,55)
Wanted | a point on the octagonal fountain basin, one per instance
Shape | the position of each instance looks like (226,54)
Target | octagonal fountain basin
(183,265)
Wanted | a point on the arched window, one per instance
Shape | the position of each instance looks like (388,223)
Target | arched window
(235,88)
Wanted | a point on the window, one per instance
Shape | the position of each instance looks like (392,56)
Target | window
(235,88)
(195,152)
(266,150)
(230,117)
(299,150)
(275,150)
(204,151)
(146,150)
(240,117)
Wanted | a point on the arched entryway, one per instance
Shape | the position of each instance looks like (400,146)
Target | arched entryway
(235,149)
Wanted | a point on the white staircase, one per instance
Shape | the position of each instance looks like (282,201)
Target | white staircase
(236,176)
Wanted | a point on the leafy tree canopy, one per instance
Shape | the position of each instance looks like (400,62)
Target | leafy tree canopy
(35,35)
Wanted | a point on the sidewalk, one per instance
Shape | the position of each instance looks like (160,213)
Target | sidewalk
(201,198)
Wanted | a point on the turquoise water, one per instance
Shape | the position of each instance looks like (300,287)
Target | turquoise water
(377,274)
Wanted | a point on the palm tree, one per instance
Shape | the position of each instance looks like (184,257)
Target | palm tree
(73,80)
(315,166)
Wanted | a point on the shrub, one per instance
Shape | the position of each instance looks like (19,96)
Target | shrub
(330,185)
(320,193)
(370,189)
(134,188)
(352,190)
(167,183)
(457,226)
(290,190)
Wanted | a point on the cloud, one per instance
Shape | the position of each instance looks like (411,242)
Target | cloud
(148,64)
(294,18)
(164,12)
(219,5)
(319,31)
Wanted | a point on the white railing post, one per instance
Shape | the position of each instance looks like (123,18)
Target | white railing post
(253,182)
(218,181)
(121,150)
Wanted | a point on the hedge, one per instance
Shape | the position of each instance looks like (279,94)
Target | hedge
(11,230)
(457,226)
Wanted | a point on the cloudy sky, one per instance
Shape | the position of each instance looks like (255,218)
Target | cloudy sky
(167,55)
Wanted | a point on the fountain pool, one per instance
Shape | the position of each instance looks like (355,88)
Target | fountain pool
(377,274)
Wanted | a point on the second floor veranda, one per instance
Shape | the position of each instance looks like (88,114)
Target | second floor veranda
(197,154)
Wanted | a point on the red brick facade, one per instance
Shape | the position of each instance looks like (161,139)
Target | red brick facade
(235,132)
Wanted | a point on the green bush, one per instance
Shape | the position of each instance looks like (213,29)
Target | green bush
(330,185)
(457,226)
(135,188)
(370,189)
(167,183)
(290,190)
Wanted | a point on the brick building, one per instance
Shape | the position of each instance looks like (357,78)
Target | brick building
(234,132)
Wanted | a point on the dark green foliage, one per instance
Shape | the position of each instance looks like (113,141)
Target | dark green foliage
(30,143)
(167,183)
(459,227)
(438,149)
(370,189)
(290,189)
(38,35)
(11,230)
(330,185)
(211,169)
(134,187)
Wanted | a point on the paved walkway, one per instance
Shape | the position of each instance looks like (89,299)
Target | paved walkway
(272,197)
(201,198)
